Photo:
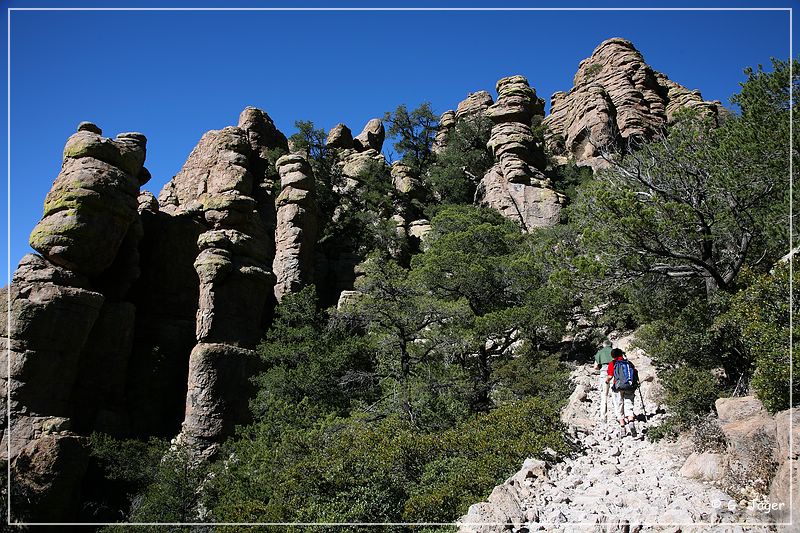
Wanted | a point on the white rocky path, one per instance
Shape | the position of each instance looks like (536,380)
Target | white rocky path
(612,484)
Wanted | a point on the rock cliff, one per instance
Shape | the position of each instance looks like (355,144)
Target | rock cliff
(139,316)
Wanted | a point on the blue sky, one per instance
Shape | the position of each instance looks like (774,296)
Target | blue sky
(175,74)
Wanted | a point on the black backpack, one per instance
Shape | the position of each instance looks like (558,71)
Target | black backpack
(625,375)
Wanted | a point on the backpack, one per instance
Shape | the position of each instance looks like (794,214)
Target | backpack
(625,377)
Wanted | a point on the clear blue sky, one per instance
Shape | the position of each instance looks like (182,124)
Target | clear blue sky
(175,74)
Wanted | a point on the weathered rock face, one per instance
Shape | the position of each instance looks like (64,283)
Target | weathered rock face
(474,104)
(340,136)
(218,394)
(446,123)
(531,206)
(296,232)
(225,188)
(515,186)
(93,201)
(71,326)
(616,98)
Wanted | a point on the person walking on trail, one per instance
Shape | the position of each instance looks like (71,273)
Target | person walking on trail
(601,360)
(624,379)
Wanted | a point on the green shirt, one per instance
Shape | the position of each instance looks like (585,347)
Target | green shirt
(603,356)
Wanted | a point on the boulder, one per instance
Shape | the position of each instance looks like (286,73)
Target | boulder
(339,137)
(704,466)
(371,137)
(48,473)
(737,409)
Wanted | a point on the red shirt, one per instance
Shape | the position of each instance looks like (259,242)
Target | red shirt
(611,365)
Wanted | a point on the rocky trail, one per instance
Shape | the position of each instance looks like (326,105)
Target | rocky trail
(611,483)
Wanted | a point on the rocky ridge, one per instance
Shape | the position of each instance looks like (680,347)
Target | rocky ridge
(70,325)
(619,484)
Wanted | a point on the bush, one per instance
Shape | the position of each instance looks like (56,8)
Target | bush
(690,392)
(759,319)
(310,468)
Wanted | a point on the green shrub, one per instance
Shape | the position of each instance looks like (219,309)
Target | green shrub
(690,392)
(759,319)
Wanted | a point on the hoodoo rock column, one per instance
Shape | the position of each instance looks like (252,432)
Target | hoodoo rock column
(70,325)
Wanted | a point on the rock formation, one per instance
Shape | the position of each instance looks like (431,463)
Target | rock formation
(372,136)
(446,123)
(340,136)
(336,264)
(475,104)
(296,232)
(138,314)
(225,186)
(515,186)
(70,325)
(617,98)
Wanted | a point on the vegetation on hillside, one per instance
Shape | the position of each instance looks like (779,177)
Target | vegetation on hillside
(412,401)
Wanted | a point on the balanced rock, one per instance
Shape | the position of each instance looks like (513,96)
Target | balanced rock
(340,136)
(372,136)
(616,99)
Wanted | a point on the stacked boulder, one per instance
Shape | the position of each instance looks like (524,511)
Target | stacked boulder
(616,99)
(337,260)
(296,230)
(515,185)
(447,122)
(70,323)
(220,186)
(355,155)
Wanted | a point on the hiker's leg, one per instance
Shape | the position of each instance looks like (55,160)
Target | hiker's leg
(618,408)
(628,397)
(627,400)
(603,397)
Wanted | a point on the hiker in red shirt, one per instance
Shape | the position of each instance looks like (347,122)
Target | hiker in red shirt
(623,376)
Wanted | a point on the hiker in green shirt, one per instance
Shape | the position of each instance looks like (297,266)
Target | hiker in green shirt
(601,360)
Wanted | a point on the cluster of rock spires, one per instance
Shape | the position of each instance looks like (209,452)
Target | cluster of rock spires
(616,99)
(139,316)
